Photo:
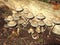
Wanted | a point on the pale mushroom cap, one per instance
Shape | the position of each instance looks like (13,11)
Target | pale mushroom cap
(49,23)
(34,22)
(11,23)
(56,30)
(31,31)
(15,17)
(9,18)
(29,15)
(19,9)
(41,23)
(56,21)
(40,16)
(20,21)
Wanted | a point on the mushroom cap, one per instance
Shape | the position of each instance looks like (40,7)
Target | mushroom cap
(9,18)
(29,15)
(34,22)
(56,21)
(15,16)
(19,8)
(31,31)
(49,23)
(56,30)
(11,23)
(40,16)
(20,21)
(41,23)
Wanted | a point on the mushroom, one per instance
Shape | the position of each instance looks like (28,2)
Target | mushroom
(38,29)
(49,24)
(40,16)
(20,21)
(29,15)
(19,9)
(31,31)
(9,18)
(41,24)
(56,30)
(16,16)
(34,22)
(56,21)
(11,23)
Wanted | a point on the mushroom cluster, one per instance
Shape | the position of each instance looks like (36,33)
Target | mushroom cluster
(24,17)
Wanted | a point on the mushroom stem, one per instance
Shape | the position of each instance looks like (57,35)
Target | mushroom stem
(18,30)
(53,26)
(50,32)
(25,21)
(42,30)
(51,29)
(38,29)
